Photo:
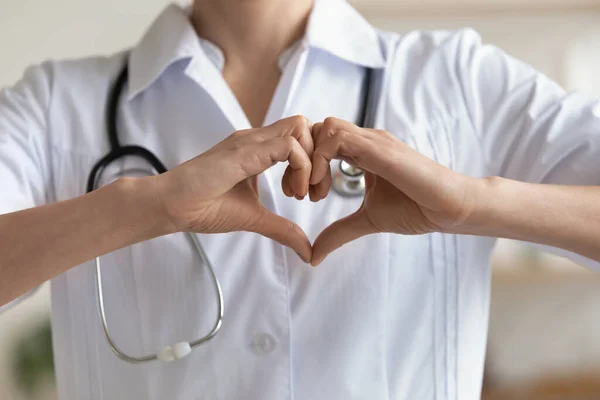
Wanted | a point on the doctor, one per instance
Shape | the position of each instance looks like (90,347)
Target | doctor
(471,145)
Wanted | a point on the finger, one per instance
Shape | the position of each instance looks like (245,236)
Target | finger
(302,133)
(324,186)
(298,127)
(328,128)
(339,134)
(321,189)
(289,149)
(316,133)
(263,155)
(286,185)
(341,144)
(311,194)
(338,124)
(339,233)
(284,232)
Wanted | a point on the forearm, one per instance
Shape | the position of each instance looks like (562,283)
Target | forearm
(566,217)
(40,243)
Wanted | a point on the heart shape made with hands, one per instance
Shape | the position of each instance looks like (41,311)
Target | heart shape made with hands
(405,192)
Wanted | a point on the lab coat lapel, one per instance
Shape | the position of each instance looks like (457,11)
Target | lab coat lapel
(203,71)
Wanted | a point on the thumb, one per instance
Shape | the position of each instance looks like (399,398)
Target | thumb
(341,232)
(283,231)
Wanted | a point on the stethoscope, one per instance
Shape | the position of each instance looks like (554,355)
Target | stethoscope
(347,181)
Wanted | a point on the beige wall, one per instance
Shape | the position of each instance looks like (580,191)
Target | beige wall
(35,30)
(547,41)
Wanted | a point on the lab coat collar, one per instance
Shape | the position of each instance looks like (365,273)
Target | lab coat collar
(169,39)
(333,26)
(336,27)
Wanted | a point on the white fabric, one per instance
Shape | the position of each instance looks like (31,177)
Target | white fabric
(386,317)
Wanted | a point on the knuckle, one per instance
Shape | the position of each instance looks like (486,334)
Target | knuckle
(330,121)
(299,121)
(329,128)
(297,124)
(289,141)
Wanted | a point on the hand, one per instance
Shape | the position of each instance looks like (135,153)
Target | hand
(216,192)
(406,192)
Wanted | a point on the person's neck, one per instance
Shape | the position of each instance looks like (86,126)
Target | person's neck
(252,33)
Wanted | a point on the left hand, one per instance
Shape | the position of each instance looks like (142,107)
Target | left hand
(406,192)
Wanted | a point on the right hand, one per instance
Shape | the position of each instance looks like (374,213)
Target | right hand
(216,192)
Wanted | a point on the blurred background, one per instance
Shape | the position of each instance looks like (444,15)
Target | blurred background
(544,334)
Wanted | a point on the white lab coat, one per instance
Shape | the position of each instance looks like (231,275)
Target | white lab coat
(385,317)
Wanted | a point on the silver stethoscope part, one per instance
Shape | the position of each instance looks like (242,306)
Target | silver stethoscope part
(347,180)
(180,349)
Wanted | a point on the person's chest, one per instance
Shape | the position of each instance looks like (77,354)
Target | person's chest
(189,110)
(158,292)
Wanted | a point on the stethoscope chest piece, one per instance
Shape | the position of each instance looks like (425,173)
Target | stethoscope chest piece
(347,180)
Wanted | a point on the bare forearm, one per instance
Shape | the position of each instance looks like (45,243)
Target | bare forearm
(566,217)
(40,243)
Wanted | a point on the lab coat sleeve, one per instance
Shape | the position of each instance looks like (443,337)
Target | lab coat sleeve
(24,154)
(528,127)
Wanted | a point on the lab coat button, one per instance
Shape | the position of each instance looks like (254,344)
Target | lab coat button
(263,343)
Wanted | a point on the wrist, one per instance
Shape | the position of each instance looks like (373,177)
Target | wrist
(146,198)
(484,192)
